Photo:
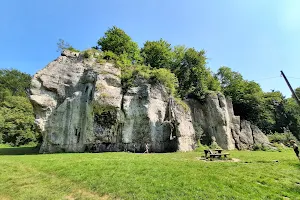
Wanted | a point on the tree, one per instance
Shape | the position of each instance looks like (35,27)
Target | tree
(247,96)
(17,122)
(15,82)
(16,113)
(297,91)
(62,45)
(189,67)
(273,114)
(292,111)
(118,42)
(157,54)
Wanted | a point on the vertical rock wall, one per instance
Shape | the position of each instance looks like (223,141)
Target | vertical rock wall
(80,106)
(216,117)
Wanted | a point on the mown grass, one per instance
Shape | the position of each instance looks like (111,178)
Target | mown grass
(258,175)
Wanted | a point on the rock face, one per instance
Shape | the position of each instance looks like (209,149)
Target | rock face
(215,118)
(80,106)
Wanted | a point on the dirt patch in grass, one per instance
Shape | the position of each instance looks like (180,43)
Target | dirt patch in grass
(4,197)
(84,194)
(219,160)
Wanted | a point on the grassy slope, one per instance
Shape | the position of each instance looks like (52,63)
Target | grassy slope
(148,176)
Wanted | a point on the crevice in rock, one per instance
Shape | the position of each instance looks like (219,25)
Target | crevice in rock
(219,101)
(122,104)
(252,134)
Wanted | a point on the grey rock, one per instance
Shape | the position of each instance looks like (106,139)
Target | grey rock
(259,137)
(80,106)
(214,118)
(69,53)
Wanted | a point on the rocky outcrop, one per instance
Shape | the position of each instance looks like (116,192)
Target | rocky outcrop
(216,118)
(80,106)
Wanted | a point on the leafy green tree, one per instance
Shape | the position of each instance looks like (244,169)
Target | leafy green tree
(178,55)
(167,78)
(273,117)
(157,54)
(15,82)
(118,42)
(232,83)
(194,78)
(16,113)
(292,111)
(297,91)
(17,122)
(247,96)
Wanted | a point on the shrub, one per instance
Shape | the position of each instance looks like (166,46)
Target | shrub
(99,109)
(182,104)
(86,54)
(282,138)
(280,147)
(72,49)
(109,55)
(92,53)
(122,61)
(214,145)
(167,78)
(62,45)
(130,72)
(257,147)
(261,147)
(200,147)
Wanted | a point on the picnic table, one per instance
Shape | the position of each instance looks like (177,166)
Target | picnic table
(217,153)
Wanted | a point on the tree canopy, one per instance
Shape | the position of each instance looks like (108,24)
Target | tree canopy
(118,42)
(16,113)
(157,54)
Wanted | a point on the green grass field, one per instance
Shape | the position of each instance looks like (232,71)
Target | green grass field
(147,176)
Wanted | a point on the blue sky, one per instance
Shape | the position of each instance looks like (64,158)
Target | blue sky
(257,38)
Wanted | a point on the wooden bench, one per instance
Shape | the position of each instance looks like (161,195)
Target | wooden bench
(217,154)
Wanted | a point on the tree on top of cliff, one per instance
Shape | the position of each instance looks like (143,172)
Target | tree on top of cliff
(157,54)
(194,78)
(62,45)
(118,42)
(247,96)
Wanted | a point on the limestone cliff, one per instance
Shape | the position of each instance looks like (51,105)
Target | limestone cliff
(80,106)
(216,118)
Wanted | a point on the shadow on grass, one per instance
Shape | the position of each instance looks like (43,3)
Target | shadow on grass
(19,151)
(296,164)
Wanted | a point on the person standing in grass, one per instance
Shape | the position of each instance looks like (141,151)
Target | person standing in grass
(147,148)
(295,147)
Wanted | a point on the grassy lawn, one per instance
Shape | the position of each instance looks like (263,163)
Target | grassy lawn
(147,176)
